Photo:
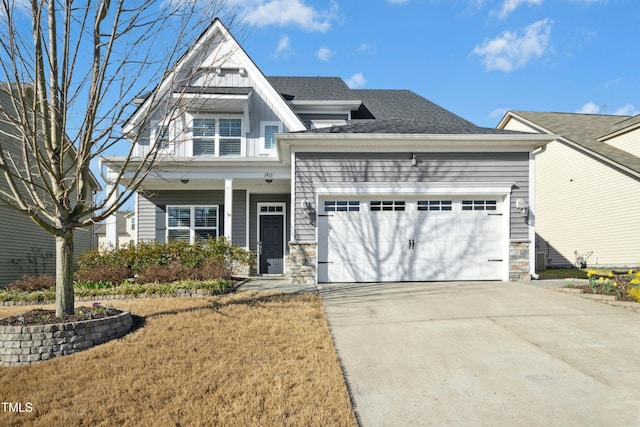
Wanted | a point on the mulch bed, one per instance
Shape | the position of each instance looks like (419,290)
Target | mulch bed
(48,317)
(587,290)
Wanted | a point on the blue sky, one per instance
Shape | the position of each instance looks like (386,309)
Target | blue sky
(477,58)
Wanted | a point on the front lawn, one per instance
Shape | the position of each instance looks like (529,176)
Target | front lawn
(240,359)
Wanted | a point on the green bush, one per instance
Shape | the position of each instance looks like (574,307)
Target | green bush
(152,261)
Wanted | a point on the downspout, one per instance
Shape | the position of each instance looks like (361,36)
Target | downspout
(532,209)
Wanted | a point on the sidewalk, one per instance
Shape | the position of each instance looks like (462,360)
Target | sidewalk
(275,284)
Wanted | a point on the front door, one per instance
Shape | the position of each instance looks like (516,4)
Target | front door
(271,244)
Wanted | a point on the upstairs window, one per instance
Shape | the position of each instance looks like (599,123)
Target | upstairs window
(162,137)
(217,136)
(230,137)
(204,137)
(268,134)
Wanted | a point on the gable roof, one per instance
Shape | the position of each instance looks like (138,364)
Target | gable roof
(228,41)
(583,130)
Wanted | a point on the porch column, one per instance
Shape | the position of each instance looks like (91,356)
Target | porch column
(111,226)
(228,208)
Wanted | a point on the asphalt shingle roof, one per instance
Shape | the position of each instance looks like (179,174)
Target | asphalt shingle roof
(584,129)
(312,88)
(381,111)
(411,126)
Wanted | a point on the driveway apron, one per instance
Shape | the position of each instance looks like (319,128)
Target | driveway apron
(484,354)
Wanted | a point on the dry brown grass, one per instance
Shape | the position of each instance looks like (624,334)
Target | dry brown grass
(245,359)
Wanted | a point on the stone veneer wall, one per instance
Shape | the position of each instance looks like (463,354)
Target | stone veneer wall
(25,345)
(302,263)
(519,260)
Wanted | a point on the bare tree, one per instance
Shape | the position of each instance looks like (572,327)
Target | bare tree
(71,70)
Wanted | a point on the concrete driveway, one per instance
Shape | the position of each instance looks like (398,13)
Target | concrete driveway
(484,354)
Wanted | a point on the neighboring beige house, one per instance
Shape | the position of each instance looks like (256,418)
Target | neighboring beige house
(126,226)
(587,188)
(20,238)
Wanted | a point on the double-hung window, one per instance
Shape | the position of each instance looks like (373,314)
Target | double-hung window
(214,136)
(192,223)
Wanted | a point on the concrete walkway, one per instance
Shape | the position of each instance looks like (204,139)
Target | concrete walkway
(484,354)
(275,284)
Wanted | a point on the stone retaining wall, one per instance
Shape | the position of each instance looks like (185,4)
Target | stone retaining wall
(25,345)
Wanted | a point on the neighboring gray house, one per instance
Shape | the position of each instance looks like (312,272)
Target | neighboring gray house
(329,184)
(587,187)
(21,238)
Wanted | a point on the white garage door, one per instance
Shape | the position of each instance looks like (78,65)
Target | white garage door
(410,239)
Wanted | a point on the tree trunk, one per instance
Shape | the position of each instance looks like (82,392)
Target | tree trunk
(64,273)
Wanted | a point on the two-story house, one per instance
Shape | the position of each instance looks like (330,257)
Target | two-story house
(329,184)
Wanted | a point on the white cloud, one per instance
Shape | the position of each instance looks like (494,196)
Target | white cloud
(498,113)
(356,81)
(262,13)
(509,6)
(367,48)
(593,108)
(510,51)
(324,54)
(589,108)
(627,110)
(283,50)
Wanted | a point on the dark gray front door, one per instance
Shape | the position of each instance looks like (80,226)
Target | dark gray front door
(272,242)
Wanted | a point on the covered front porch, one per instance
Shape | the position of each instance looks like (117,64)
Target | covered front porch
(250,205)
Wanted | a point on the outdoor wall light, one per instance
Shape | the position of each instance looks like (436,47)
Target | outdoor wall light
(184,181)
(523,205)
(414,160)
(268,181)
(305,205)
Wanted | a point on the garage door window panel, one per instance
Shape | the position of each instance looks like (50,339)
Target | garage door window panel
(341,206)
(387,205)
(479,205)
(435,205)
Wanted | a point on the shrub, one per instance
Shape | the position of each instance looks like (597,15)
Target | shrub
(211,269)
(32,283)
(138,257)
(103,276)
(158,273)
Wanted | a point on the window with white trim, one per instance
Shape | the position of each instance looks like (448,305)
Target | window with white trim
(341,206)
(214,136)
(434,205)
(387,205)
(162,135)
(268,132)
(192,223)
(479,205)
